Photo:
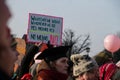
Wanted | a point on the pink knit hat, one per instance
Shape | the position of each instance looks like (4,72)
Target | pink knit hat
(107,70)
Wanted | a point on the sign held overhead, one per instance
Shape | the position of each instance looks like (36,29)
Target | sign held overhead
(44,28)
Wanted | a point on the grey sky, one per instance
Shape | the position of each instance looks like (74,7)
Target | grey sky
(96,17)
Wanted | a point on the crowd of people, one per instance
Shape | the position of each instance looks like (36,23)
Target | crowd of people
(48,62)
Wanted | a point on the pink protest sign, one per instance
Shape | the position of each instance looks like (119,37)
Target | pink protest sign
(44,28)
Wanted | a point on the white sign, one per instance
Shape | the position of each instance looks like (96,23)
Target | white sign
(44,28)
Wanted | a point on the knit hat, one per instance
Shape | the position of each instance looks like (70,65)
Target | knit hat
(107,71)
(55,53)
(82,63)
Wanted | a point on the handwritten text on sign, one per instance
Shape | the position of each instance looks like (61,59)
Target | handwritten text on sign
(45,28)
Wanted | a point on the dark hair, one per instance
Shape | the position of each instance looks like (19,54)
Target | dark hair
(26,61)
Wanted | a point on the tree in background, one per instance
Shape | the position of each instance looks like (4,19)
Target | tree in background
(79,43)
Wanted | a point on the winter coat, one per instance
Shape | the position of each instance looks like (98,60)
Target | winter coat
(45,74)
(4,76)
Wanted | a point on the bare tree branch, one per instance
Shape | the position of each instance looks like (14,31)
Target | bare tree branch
(69,38)
(82,45)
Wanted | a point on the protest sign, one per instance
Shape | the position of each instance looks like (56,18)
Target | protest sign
(44,28)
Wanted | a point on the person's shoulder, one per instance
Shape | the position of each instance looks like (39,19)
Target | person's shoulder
(43,75)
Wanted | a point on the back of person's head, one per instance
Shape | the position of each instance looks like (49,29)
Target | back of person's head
(103,57)
(82,64)
(109,71)
(27,60)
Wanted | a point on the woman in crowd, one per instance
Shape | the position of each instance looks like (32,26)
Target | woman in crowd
(54,64)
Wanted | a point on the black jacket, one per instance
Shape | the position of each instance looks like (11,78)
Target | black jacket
(4,76)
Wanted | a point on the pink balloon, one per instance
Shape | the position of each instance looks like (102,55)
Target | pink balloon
(112,43)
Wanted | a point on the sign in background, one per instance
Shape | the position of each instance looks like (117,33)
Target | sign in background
(44,28)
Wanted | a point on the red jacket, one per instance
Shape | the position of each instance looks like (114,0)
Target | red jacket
(51,75)
(27,76)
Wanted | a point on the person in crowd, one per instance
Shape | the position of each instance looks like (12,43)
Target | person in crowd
(7,60)
(13,46)
(54,64)
(4,29)
(33,68)
(7,55)
(84,67)
(103,57)
(27,61)
(109,71)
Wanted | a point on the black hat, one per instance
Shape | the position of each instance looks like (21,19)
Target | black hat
(55,53)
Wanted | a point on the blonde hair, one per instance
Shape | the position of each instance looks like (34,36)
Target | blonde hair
(42,65)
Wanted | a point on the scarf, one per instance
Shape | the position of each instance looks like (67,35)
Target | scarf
(107,70)
(51,75)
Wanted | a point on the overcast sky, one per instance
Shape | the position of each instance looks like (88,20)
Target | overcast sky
(95,17)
